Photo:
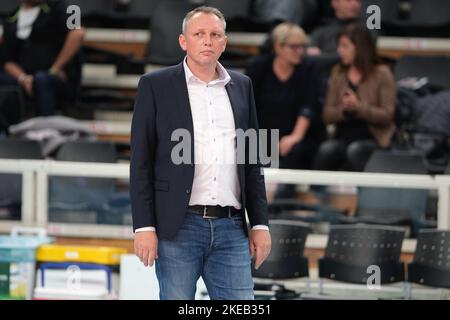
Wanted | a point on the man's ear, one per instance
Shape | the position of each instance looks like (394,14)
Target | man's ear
(225,43)
(182,42)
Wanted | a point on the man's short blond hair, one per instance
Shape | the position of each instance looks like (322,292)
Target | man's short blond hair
(207,10)
(285,30)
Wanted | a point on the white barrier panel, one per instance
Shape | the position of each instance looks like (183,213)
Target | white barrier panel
(36,175)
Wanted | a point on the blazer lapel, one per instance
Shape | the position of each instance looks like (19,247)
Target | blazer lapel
(183,105)
(238,123)
(232,94)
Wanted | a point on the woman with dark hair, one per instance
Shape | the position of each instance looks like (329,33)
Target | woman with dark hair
(360,102)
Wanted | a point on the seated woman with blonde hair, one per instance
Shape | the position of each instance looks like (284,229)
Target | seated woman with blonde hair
(286,88)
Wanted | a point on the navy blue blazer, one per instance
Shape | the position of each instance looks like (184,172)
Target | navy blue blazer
(160,190)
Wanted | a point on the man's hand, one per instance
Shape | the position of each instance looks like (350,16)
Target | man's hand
(146,247)
(287,143)
(260,244)
(58,72)
(26,81)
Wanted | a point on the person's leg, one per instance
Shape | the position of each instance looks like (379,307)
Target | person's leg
(47,89)
(298,158)
(330,156)
(180,260)
(12,103)
(359,152)
(227,268)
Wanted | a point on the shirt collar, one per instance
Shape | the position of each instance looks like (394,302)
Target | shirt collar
(224,76)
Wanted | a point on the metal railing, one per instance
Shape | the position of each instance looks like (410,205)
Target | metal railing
(35,191)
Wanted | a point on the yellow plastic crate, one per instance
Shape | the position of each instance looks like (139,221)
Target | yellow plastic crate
(86,254)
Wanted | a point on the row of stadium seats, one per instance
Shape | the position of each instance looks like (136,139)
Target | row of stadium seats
(399,17)
(349,253)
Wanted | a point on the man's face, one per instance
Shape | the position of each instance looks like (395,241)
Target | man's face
(346,9)
(204,39)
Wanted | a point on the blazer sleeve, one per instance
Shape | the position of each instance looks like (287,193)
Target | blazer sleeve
(143,142)
(255,189)
(382,114)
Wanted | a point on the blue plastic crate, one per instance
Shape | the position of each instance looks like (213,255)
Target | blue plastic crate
(20,248)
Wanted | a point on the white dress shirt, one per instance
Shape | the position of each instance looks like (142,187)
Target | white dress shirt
(216,179)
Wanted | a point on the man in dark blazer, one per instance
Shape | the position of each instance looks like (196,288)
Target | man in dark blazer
(190,216)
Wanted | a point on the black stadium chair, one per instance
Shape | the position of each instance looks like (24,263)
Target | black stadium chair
(413,18)
(236,12)
(20,149)
(325,63)
(286,259)
(431,264)
(433,13)
(429,18)
(231,9)
(352,249)
(87,151)
(82,199)
(134,9)
(294,210)
(11,184)
(393,206)
(12,107)
(7,8)
(435,68)
(166,24)
(396,162)
(132,14)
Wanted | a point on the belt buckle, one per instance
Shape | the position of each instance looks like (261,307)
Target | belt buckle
(205,210)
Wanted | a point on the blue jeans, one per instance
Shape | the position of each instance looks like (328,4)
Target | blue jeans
(215,249)
(48,90)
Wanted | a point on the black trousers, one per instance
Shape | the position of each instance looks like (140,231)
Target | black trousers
(300,157)
(337,154)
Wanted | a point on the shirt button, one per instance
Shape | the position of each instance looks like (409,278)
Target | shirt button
(188,191)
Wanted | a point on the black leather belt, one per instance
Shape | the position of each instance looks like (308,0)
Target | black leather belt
(213,211)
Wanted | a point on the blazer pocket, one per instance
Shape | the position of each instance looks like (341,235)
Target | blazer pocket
(161,185)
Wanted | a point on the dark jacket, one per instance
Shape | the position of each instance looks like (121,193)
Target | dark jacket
(279,104)
(160,190)
(377,94)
